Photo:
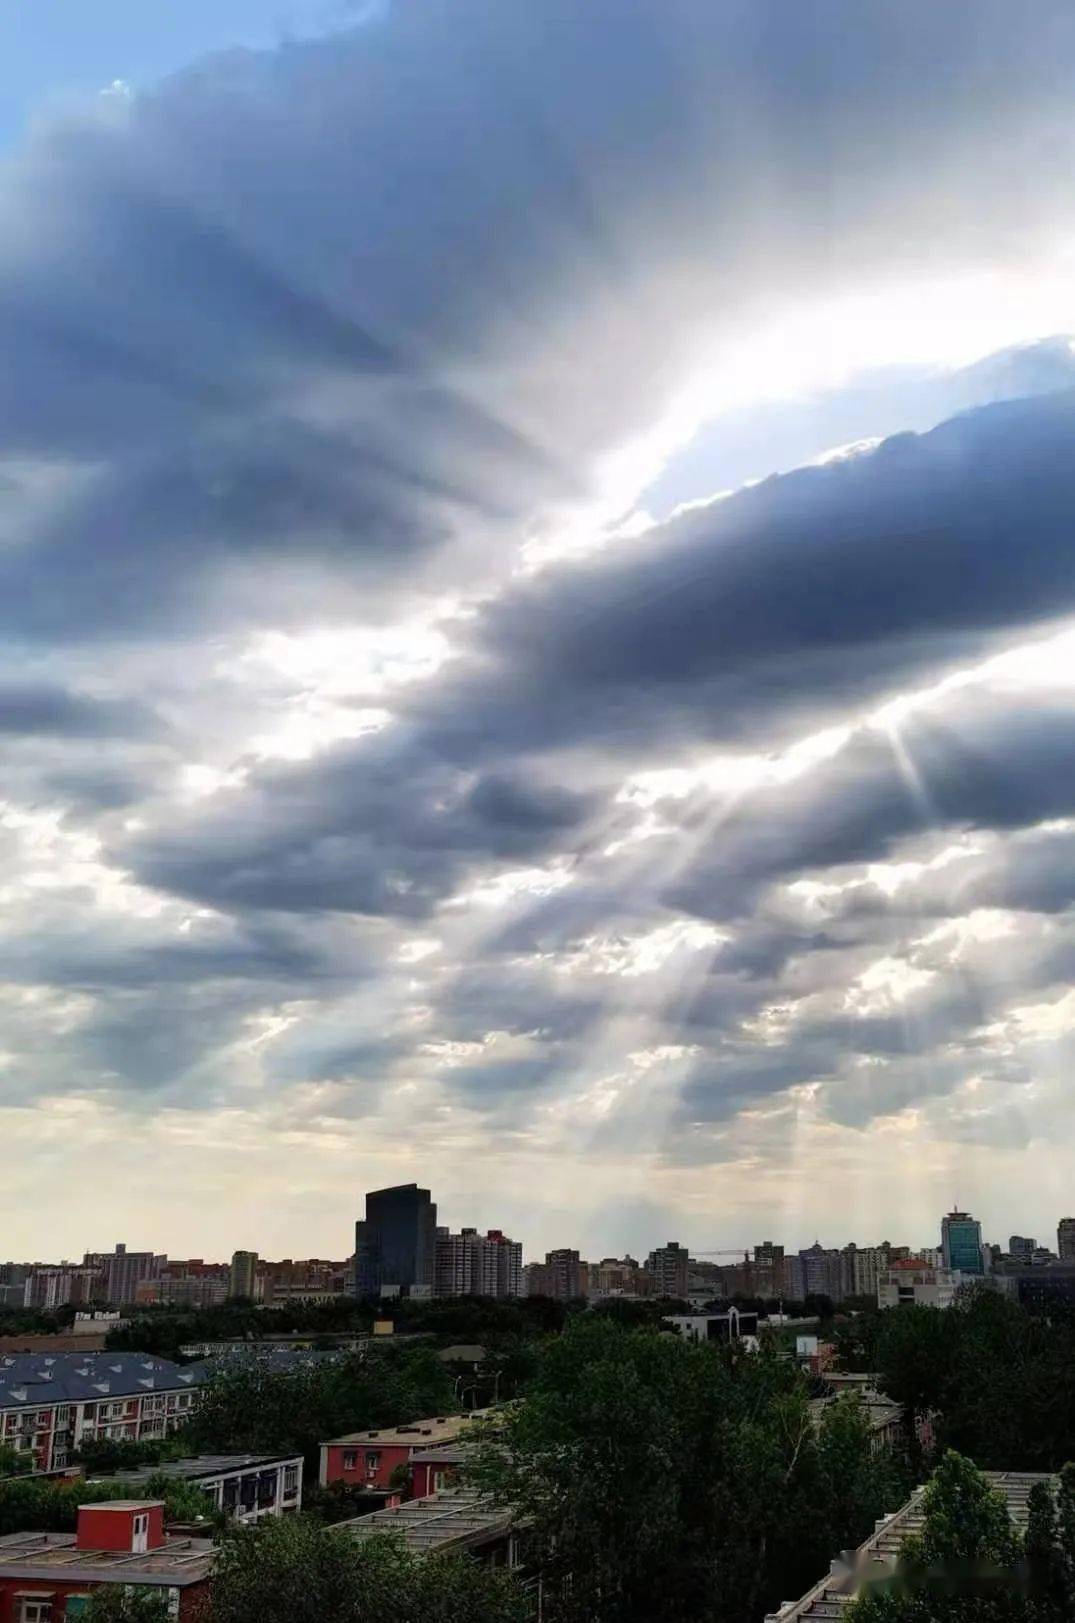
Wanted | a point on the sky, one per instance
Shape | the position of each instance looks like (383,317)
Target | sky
(538,612)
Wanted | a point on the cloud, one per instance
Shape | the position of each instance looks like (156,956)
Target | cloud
(329,815)
(367,298)
(47,711)
(822,588)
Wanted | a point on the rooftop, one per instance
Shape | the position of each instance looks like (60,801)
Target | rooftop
(38,1379)
(197,1467)
(454,1518)
(419,1434)
(834,1593)
(881,1411)
(55,1557)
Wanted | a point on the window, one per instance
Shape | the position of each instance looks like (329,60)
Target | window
(36,1609)
(75,1605)
(350,1458)
(63,1415)
(373,1460)
(291,1481)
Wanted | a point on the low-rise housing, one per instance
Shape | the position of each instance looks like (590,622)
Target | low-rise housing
(51,1403)
(456,1520)
(886,1418)
(912,1281)
(879,1555)
(249,1487)
(48,1577)
(369,1458)
(730,1326)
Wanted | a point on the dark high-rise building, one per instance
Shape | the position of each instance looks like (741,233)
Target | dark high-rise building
(395,1244)
(1065,1239)
(1022,1248)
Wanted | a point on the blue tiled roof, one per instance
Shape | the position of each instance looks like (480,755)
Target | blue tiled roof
(44,1378)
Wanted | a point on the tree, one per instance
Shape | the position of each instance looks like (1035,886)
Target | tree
(14,1461)
(291,1570)
(666,1478)
(966,1565)
(914,1351)
(249,1408)
(108,1454)
(118,1603)
(966,1520)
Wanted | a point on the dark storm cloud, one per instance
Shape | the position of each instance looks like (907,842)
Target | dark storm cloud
(46,711)
(818,588)
(370,295)
(310,336)
(385,828)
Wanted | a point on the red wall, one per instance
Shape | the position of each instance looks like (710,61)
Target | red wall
(192,1599)
(390,1457)
(100,1528)
(425,1472)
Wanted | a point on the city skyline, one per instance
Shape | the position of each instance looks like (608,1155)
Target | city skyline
(1062,1231)
(539,620)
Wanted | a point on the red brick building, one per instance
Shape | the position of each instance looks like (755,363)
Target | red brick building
(52,1403)
(437,1468)
(368,1458)
(48,1577)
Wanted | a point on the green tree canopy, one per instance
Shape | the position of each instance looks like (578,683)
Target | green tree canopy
(667,1479)
(293,1570)
(253,1409)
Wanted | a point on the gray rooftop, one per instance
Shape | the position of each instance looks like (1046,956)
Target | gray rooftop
(453,1519)
(832,1595)
(40,1379)
(55,1557)
(275,1359)
(199,1467)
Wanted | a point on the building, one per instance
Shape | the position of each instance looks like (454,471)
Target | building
(770,1277)
(56,1287)
(619,1276)
(705,1282)
(822,1272)
(52,1403)
(437,1468)
(1021,1249)
(48,1577)
(886,1419)
(369,1459)
(312,1279)
(395,1244)
(458,1520)
(209,1290)
(562,1275)
(879,1555)
(869,1261)
(1065,1239)
(124,1271)
(723,1327)
(668,1267)
(911,1282)
(249,1487)
(242,1276)
(795,1275)
(473,1264)
(961,1243)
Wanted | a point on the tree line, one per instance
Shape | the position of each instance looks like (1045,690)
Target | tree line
(997,1379)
